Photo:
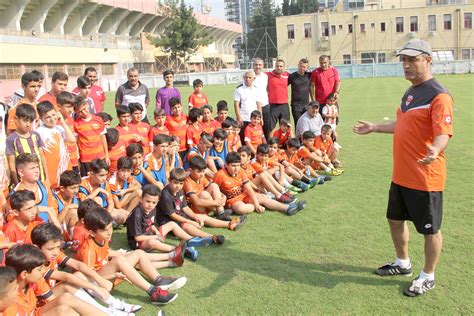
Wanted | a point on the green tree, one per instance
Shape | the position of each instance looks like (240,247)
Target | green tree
(261,38)
(183,36)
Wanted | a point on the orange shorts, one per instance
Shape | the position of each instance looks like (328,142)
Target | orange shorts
(244,197)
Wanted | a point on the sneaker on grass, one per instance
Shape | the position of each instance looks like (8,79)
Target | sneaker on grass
(169,283)
(191,253)
(124,307)
(419,287)
(162,297)
(393,269)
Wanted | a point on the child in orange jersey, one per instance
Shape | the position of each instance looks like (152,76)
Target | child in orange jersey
(197,99)
(24,140)
(294,159)
(263,181)
(283,133)
(54,132)
(241,197)
(315,157)
(28,170)
(128,132)
(205,197)
(194,129)
(143,128)
(90,132)
(106,118)
(95,252)
(8,286)
(5,243)
(209,124)
(116,147)
(159,127)
(326,145)
(81,233)
(95,186)
(253,134)
(29,264)
(177,124)
(25,218)
(65,201)
(66,101)
(126,191)
(49,240)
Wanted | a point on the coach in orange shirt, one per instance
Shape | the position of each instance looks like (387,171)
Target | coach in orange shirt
(421,131)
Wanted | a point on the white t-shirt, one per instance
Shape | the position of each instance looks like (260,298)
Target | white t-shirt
(248,98)
(308,123)
(261,82)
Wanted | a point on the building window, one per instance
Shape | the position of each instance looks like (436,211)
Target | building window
(52,68)
(291,31)
(324,29)
(399,24)
(356,4)
(432,23)
(31,67)
(413,24)
(468,20)
(10,71)
(341,27)
(75,70)
(368,58)
(333,30)
(382,26)
(447,21)
(307,30)
(347,59)
(466,54)
(107,69)
(381,58)
(349,28)
(362,28)
(144,68)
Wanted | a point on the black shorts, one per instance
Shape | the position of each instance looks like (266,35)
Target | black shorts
(423,208)
(277,112)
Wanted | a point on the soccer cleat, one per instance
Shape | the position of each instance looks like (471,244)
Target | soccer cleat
(178,258)
(162,297)
(170,283)
(285,198)
(124,307)
(290,196)
(393,269)
(327,178)
(319,180)
(301,185)
(224,216)
(218,239)
(237,222)
(199,242)
(419,287)
(294,189)
(191,253)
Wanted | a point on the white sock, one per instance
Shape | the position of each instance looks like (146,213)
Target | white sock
(84,296)
(426,276)
(403,263)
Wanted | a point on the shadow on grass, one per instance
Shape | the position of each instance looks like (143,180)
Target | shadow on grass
(322,275)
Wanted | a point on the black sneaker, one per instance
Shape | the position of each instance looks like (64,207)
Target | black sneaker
(295,207)
(419,287)
(162,297)
(393,269)
(170,283)
(218,239)
(224,216)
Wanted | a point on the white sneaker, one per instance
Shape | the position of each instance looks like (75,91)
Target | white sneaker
(125,307)
(116,312)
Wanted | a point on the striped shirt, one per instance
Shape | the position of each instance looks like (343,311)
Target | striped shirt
(18,144)
(89,138)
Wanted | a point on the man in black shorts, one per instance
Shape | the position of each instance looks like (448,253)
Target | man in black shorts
(299,82)
(424,124)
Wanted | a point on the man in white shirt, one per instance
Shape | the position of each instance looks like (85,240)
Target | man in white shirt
(261,82)
(246,100)
(311,120)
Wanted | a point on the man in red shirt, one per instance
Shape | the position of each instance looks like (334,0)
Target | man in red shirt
(421,134)
(324,81)
(278,94)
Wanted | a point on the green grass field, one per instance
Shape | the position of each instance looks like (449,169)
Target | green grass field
(321,261)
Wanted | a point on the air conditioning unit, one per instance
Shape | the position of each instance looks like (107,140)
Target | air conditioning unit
(431,33)
(411,34)
(324,38)
(291,40)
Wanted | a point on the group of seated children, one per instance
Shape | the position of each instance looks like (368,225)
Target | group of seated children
(172,178)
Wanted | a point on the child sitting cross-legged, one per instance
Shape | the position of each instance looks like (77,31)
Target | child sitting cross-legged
(241,197)
(204,197)
(30,264)
(173,207)
(95,253)
(126,191)
(48,238)
(142,233)
(328,147)
(314,157)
